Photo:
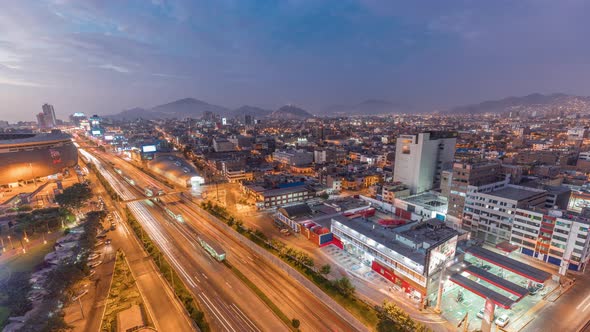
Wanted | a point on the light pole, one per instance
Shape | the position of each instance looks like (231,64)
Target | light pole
(10,239)
(3,247)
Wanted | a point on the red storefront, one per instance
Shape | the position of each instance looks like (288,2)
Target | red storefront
(391,276)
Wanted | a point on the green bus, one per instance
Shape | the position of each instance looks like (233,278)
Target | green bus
(213,249)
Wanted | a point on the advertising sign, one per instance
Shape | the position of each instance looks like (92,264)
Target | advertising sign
(148,148)
(488,315)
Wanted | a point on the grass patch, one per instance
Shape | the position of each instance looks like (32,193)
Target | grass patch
(123,295)
(259,293)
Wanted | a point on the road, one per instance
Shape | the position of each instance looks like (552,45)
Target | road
(293,299)
(165,310)
(228,303)
(289,295)
(570,312)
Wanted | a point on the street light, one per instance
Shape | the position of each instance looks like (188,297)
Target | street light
(10,239)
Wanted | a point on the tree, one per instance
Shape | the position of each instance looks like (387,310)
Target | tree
(73,197)
(344,286)
(325,269)
(296,323)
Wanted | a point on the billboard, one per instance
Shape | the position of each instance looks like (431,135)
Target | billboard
(96,132)
(442,254)
(148,148)
(108,137)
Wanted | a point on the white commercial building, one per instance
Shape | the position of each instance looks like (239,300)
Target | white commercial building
(420,159)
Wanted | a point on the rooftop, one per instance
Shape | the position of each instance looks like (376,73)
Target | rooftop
(384,236)
(29,139)
(429,200)
(516,193)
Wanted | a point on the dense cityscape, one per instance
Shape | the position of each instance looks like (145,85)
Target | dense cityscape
(279,220)
(334,165)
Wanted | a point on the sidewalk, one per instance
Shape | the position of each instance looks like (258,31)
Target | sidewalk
(374,288)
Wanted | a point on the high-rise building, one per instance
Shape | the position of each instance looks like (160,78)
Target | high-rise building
(420,159)
(41,121)
(248,119)
(49,115)
(77,118)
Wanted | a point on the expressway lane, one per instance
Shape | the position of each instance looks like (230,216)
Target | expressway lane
(293,299)
(206,278)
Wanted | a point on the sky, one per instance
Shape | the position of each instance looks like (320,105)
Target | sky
(103,56)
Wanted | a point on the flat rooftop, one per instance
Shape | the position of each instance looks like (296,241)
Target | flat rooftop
(384,236)
(478,289)
(429,200)
(515,193)
(432,231)
(510,264)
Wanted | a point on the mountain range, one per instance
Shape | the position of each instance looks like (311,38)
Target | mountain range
(190,107)
(535,100)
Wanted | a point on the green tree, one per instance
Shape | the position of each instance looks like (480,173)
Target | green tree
(74,196)
(344,286)
(296,323)
(325,269)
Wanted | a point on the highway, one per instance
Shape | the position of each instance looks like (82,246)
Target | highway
(227,302)
(161,304)
(288,294)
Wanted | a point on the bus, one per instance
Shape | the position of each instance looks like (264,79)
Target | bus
(212,248)
(129,180)
(149,192)
(177,217)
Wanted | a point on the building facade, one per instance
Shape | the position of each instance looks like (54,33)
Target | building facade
(420,159)
(489,216)
(553,236)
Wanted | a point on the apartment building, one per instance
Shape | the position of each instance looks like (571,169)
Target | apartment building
(489,216)
(553,236)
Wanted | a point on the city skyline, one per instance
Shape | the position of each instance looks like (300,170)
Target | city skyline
(101,57)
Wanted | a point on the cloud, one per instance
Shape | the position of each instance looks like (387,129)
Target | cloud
(21,83)
(118,69)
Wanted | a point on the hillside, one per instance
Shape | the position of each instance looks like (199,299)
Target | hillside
(290,112)
(535,100)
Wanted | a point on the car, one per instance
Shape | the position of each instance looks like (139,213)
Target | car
(101,236)
(108,241)
(502,320)
(113,227)
(93,257)
(480,313)
(94,264)
(486,267)
(99,243)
